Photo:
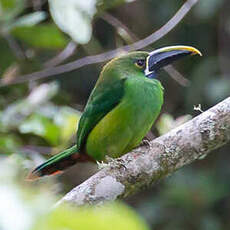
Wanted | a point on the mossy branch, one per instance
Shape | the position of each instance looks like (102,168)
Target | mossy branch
(148,164)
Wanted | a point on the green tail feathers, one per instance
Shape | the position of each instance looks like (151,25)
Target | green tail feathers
(56,163)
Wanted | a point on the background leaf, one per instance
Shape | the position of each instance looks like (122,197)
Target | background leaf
(29,19)
(74,18)
(41,126)
(41,36)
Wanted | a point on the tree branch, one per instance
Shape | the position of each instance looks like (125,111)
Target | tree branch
(63,55)
(93,59)
(147,165)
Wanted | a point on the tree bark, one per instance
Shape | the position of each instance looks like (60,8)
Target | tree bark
(146,165)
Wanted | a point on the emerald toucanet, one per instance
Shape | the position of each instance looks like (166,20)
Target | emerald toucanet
(121,109)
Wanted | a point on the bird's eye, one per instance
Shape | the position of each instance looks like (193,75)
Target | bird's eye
(140,63)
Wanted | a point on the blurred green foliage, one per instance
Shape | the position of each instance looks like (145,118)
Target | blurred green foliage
(42,36)
(40,118)
(31,206)
(108,216)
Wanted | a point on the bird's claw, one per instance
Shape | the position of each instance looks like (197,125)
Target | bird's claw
(101,165)
(111,162)
(145,142)
(115,163)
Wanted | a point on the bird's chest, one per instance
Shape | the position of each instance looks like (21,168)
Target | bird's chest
(142,99)
(124,127)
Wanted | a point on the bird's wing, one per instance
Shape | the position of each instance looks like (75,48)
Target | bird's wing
(103,99)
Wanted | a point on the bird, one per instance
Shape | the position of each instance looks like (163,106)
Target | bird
(121,109)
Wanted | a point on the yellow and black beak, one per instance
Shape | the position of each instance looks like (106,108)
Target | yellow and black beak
(164,56)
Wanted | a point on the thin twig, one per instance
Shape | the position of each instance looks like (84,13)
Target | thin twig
(39,149)
(176,75)
(63,55)
(171,24)
(15,47)
(119,26)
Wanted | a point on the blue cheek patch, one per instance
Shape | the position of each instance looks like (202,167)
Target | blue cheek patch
(152,75)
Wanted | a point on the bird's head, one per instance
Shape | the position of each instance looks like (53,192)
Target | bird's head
(148,64)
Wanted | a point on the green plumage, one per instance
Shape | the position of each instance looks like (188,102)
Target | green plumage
(120,111)
(124,127)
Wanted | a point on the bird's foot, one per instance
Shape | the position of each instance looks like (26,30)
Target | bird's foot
(101,165)
(109,159)
(115,163)
(111,162)
(145,142)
